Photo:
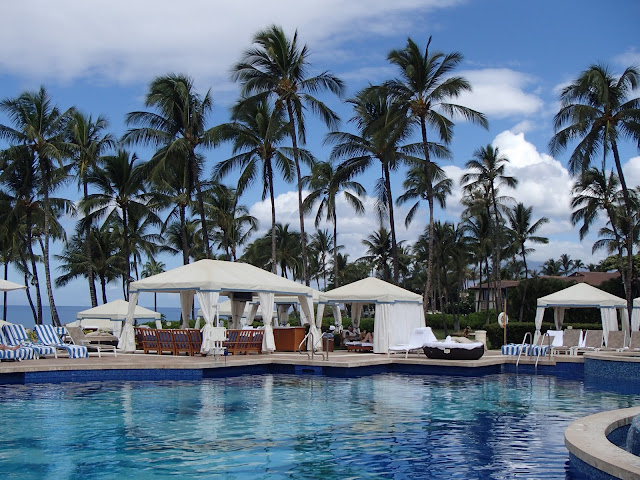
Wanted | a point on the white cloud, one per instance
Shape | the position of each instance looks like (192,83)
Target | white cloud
(500,92)
(352,228)
(628,58)
(543,182)
(133,41)
(631,171)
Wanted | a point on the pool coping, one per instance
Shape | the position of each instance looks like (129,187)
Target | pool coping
(586,439)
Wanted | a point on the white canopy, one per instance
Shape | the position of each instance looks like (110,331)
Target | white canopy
(6,286)
(104,316)
(117,310)
(583,295)
(208,279)
(398,311)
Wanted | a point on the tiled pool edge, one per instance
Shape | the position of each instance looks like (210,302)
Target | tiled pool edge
(593,454)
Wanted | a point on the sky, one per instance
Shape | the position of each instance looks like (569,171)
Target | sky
(518,56)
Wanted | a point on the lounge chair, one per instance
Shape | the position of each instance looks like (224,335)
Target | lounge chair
(148,339)
(165,342)
(570,341)
(16,334)
(634,343)
(359,346)
(48,335)
(592,342)
(418,338)
(20,353)
(79,338)
(181,342)
(615,341)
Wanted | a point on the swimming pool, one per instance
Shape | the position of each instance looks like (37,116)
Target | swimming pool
(295,426)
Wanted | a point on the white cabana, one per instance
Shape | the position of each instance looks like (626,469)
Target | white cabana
(635,315)
(209,279)
(398,311)
(106,315)
(583,295)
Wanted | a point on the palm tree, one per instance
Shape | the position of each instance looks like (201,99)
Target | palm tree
(321,245)
(326,185)
(179,129)
(153,267)
(176,236)
(233,223)
(21,211)
(566,264)
(257,133)
(39,126)
(418,181)
(121,195)
(276,66)
(426,88)
(288,251)
(379,251)
(551,268)
(383,129)
(522,231)
(488,171)
(596,111)
(88,142)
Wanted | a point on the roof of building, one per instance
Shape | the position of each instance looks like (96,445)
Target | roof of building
(594,279)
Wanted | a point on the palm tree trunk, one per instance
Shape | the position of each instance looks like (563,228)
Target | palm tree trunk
(183,235)
(296,156)
(34,269)
(127,265)
(335,250)
(4,299)
(203,218)
(88,250)
(427,287)
(392,225)
(629,222)
(103,284)
(23,261)
(526,284)
(55,320)
(274,264)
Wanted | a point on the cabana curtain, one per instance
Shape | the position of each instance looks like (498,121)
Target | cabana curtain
(208,302)
(266,308)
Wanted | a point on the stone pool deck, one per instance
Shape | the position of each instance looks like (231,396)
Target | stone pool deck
(339,359)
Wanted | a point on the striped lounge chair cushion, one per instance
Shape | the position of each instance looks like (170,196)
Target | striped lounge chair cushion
(514,349)
(22,353)
(49,336)
(17,335)
(539,350)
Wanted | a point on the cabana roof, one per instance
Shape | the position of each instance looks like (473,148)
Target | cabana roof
(219,276)
(369,290)
(582,295)
(116,310)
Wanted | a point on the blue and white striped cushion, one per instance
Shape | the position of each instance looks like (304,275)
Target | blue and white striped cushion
(22,353)
(539,350)
(514,349)
(49,336)
(17,335)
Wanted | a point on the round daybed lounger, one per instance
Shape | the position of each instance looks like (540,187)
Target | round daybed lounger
(451,350)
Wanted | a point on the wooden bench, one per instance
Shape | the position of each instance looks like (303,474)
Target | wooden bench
(359,347)
(244,341)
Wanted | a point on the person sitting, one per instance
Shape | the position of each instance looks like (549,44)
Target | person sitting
(366,337)
(7,347)
(349,335)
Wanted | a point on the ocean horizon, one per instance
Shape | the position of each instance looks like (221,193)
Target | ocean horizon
(67,313)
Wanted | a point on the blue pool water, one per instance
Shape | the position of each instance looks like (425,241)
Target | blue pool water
(287,426)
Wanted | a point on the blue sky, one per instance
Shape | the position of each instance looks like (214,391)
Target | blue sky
(517,57)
